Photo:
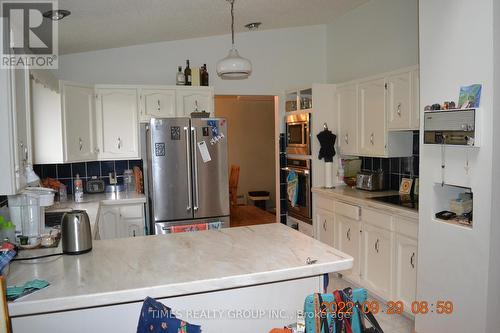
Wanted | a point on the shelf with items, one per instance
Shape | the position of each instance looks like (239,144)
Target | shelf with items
(299,100)
(453,205)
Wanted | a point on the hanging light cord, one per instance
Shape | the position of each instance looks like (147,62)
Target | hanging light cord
(232,21)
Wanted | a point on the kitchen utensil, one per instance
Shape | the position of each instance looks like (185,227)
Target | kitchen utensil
(76,233)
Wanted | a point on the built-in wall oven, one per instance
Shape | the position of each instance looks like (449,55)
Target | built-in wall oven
(298,134)
(298,175)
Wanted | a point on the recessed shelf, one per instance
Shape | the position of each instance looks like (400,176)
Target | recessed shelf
(453,222)
(443,196)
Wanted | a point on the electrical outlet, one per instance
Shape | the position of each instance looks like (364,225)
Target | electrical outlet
(112,178)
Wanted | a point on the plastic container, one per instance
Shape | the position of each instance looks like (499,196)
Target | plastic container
(63,193)
(78,189)
(129,181)
(31,219)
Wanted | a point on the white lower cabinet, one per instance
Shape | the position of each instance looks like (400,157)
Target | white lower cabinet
(325,222)
(377,258)
(384,247)
(406,270)
(121,221)
(348,241)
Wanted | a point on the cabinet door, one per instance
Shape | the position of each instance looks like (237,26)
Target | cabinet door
(22,127)
(399,100)
(372,132)
(325,222)
(157,103)
(376,270)
(348,119)
(348,241)
(117,121)
(415,114)
(78,109)
(131,221)
(406,270)
(109,219)
(191,100)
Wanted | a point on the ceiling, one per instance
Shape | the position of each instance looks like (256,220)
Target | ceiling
(102,24)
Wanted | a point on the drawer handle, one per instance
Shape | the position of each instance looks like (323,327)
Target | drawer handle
(324,225)
(372,139)
(81,143)
(412,260)
(376,245)
(348,234)
(399,109)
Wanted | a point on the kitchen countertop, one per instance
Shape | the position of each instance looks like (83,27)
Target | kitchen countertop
(92,202)
(129,269)
(363,198)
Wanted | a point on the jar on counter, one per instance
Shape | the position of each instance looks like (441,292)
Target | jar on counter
(129,181)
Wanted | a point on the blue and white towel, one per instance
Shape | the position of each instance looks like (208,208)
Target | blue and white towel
(293,188)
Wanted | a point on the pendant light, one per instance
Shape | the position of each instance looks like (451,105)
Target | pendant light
(234,66)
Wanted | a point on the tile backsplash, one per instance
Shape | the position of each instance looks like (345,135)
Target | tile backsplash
(66,173)
(3,200)
(397,167)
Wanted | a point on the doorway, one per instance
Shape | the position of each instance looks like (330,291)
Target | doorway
(251,150)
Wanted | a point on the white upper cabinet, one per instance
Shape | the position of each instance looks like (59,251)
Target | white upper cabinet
(117,123)
(156,103)
(78,113)
(399,100)
(373,140)
(194,100)
(15,125)
(348,119)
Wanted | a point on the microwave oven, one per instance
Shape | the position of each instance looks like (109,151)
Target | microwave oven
(298,135)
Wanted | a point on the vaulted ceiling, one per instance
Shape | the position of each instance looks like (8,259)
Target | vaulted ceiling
(102,24)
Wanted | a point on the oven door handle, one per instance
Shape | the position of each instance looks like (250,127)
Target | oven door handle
(301,171)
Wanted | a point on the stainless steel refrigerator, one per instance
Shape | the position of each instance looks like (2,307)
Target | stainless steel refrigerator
(188,172)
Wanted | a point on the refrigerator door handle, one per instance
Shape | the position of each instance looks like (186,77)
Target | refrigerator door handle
(195,162)
(188,156)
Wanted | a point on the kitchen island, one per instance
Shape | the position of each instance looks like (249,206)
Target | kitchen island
(249,279)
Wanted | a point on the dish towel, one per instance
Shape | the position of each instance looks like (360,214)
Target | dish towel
(327,141)
(214,225)
(157,318)
(188,228)
(293,188)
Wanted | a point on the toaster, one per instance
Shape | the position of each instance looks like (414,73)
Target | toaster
(370,180)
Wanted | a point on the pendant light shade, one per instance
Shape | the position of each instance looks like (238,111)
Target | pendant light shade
(234,66)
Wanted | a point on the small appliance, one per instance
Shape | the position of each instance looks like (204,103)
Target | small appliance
(298,136)
(370,180)
(75,232)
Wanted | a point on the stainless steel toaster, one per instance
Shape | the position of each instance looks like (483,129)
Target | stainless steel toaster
(75,232)
(370,180)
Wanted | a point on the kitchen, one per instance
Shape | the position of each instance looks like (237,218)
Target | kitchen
(345,56)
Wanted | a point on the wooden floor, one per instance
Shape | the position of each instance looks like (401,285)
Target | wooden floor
(250,215)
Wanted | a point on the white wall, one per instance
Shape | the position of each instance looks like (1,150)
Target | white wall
(454,261)
(281,58)
(492,317)
(377,37)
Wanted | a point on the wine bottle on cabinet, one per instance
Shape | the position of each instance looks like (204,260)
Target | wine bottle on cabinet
(180,80)
(204,76)
(187,74)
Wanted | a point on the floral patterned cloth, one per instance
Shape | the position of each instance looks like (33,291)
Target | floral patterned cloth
(157,318)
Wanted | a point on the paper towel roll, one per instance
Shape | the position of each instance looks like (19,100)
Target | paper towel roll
(329,174)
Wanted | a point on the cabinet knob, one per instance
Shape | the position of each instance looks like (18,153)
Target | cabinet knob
(81,143)
(372,139)
(412,260)
(159,106)
(376,245)
(196,106)
(119,143)
(346,138)
(398,111)
(324,225)
(348,234)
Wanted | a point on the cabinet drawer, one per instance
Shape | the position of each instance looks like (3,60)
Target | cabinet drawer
(378,219)
(132,211)
(347,210)
(324,203)
(406,227)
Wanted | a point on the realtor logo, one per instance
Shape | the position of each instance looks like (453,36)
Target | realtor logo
(28,38)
